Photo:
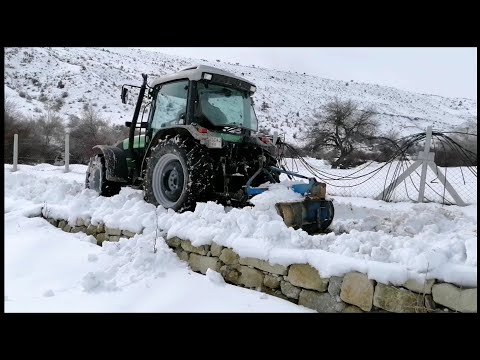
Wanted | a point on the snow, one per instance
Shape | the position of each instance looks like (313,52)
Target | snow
(215,277)
(48,293)
(50,270)
(95,75)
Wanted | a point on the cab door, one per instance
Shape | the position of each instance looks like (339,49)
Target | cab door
(169,107)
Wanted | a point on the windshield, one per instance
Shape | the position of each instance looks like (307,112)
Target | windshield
(226,106)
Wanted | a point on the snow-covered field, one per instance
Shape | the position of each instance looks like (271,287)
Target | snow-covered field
(50,270)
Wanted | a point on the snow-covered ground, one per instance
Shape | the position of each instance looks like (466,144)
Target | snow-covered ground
(285,101)
(50,270)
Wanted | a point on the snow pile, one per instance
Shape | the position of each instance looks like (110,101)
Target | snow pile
(35,185)
(49,293)
(389,242)
(420,240)
(215,277)
(131,260)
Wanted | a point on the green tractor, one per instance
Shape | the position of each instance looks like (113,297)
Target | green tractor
(198,143)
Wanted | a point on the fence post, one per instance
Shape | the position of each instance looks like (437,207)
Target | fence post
(67,150)
(423,178)
(15,152)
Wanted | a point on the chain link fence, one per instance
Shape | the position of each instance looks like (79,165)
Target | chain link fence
(371,180)
(374,179)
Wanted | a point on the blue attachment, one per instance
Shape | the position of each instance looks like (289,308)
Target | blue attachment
(251,191)
(302,188)
(319,211)
(310,214)
(298,188)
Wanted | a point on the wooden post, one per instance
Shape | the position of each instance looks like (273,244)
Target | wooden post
(15,152)
(426,152)
(67,150)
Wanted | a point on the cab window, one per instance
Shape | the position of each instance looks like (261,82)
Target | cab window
(170,105)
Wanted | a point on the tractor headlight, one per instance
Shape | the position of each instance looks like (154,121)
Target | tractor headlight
(207,76)
(253,88)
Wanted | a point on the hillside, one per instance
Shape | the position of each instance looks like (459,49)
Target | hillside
(73,77)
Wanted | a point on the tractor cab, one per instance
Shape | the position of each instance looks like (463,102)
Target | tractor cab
(199,100)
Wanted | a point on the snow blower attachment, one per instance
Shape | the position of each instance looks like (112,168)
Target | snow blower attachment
(200,142)
(313,214)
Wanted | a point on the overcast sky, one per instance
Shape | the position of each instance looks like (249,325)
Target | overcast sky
(448,72)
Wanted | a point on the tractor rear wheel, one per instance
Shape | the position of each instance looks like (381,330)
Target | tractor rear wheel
(95,178)
(177,175)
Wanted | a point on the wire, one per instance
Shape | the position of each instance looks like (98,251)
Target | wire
(402,148)
(459,132)
(327,176)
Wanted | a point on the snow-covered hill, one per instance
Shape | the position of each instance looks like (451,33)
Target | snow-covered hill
(72,77)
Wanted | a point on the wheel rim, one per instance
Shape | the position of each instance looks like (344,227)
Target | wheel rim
(168,180)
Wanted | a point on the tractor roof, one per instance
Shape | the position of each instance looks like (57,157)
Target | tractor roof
(195,73)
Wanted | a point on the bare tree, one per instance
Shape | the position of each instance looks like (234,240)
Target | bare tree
(117,132)
(16,123)
(465,137)
(89,130)
(339,126)
(85,132)
(10,109)
(52,130)
(11,120)
(470,140)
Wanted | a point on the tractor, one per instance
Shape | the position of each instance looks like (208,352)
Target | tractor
(200,142)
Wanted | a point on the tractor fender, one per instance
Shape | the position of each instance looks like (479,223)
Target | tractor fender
(115,162)
(185,131)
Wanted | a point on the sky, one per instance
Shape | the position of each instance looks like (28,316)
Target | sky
(450,72)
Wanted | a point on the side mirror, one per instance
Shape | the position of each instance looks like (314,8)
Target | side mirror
(128,123)
(124,95)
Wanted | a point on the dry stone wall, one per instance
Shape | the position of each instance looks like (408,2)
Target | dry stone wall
(301,283)
(100,231)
